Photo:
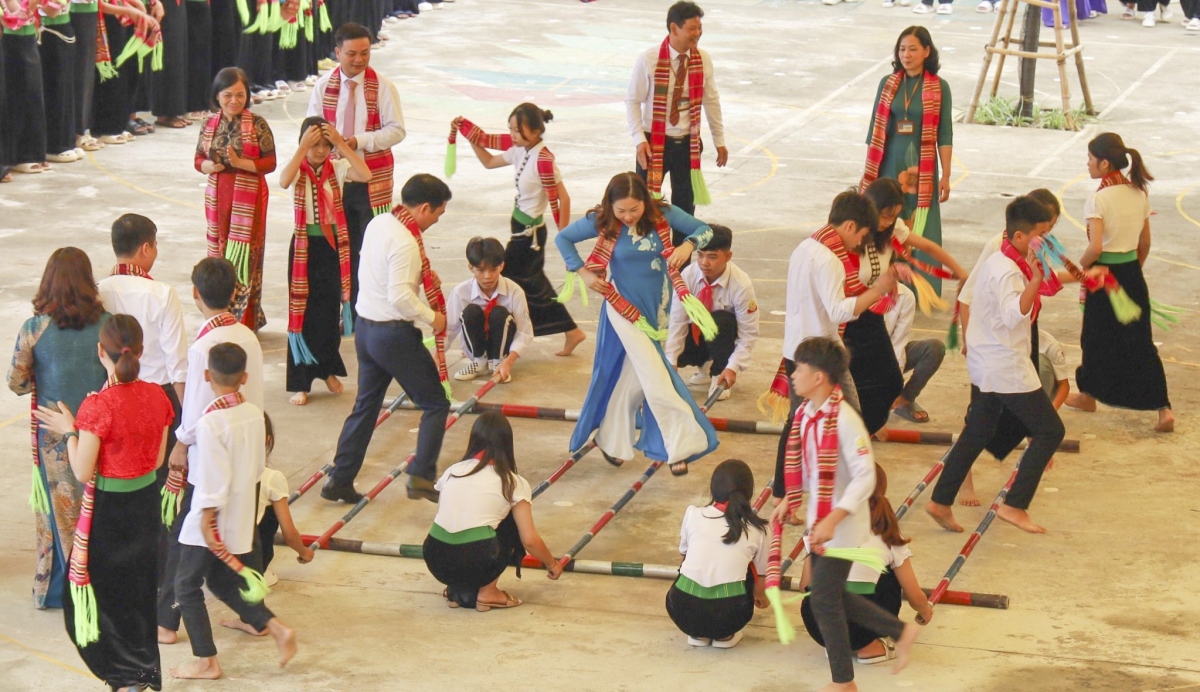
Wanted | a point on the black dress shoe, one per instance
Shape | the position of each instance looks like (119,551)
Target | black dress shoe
(422,489)
(611,459)
(336,491)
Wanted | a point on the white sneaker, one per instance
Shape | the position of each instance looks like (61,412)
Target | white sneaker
(922,9)
(945,8)
(425,6)
(699,641)
(1194,25)
(727,643)
(471,370)
(984,7)
(1148,20)
(1165,13)
(270,578)
(701,377)
(724,395)
(830,2)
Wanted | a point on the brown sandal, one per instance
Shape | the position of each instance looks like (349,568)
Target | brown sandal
(679,468)
(450,602)
(510,601)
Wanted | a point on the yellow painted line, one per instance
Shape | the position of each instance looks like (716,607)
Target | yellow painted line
(966,173)
(1181,151)
(1065,214)
(14,419)
(1179,204)
(770,174)
(48,659)
(144,191)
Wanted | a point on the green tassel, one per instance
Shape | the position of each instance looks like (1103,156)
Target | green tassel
(700,188)
(260,21)
(309,30)
(1123,306)
(170,506)
(244,12)
(783,624)
(274,18)
(106,70)
(256,587)
(289,36)
(38,501)
(920,217)
(382,209)
(568,289)
(952,337)
(430,342)
(451,159)
(868,557)
(131,48)
(659,335)
(448,390)
(700,316)
(238,253)
(323,15)
(1164,316)
(87,615)
(156,59)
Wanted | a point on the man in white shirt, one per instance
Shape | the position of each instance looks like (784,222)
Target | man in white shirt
(490,313)
(921,358)
(390,346)
(1003,376)
(684,27)
(350,117)
(728,294)
(155,305)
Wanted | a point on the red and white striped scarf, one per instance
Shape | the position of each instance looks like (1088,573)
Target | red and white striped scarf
(249,191)
(545,159)
(658,123)
(329,214)
(829,237)
(1026,271)
(931,103)
(433,291)
(129,269)
(381,163)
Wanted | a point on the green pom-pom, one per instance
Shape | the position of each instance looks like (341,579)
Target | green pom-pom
(38,501)
(644,327)
(256,587)
(449,392)
(783,624)
(87,615)
(451,159)
(700,188)
(1123,306)
(170,506)
(952,337)
(700,316)
(920,217)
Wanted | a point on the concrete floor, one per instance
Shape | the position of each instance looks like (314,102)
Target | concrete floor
(1105,600)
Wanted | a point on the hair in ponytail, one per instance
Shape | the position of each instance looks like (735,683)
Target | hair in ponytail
(530,117)
(733,483)
(1109,147)
(121,339)
(883,519)
(492,441)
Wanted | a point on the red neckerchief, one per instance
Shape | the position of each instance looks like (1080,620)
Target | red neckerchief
(128,269)
(225,401)
(225,319)
(706,297)
(1114,178)
(1026,271)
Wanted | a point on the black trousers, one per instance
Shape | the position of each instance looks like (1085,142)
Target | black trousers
(171,83)
(677,164)
(168,604)
(164,532)
(698,352)
(387,351)
(1191,8)
(835,610)
(267,528)
(1034,411)
(58,86)
(200,56)
(357,204)
(888,596)
(24,108)
(198,567)
(84,25)
(488,337)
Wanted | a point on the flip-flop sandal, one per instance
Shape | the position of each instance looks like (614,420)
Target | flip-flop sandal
(28,168)
(611,459)
(889,653)
(137,129)
(510,601)
(145,123)
(911,411)
(176,123)
(679,468)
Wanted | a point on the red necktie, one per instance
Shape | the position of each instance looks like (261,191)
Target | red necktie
(487,312)
(677,92)
(705,296)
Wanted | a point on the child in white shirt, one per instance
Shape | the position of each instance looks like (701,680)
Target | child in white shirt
(490,314)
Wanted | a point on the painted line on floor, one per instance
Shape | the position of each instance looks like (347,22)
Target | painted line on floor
(770,174)
(46,658)
(92,160)
(12,420)
(1179,204)
(1065,214)
(1054,155)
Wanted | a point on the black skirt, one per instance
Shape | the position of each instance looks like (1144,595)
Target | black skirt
(874,367)
(527,267)
(123,564)
(1121,366)
(321,317)
(169,98)
(467,567)
(711,618)
(887,596)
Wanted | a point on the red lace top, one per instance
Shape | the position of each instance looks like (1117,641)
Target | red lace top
(129,420)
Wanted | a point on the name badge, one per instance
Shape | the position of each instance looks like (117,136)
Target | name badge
(684,104)
(906,127)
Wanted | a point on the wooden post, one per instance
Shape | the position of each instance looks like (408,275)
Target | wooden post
(1030,31)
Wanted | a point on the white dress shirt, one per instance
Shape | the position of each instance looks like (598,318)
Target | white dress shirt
(732,291)
(198,394)
(999,336)
(1124,210)
(468,502)
(966,291)
(509,296)
(391,119)
(708,560)
(531,195)
(272,487)
(854,480)
(816,301)
(232,452)
(155,305)
(639,101)
(899,322)
(389,274)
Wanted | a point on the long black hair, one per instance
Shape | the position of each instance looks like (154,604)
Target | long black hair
(1109,147)
(492,441)
(885,193)
(926,41)
(733,483)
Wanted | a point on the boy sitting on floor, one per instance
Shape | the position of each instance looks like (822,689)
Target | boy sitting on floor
(490,313)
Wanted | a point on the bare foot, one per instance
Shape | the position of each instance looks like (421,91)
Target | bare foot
(882,435)
(944,516)
(904,645)
(199,669)
(966,492)
(840,687)
(285,640)
(1081,401)
(299,399)
(1018,518)
(1166,421)
(245,627)
(166,636)
(573,339)
(1050,464)
(334,385)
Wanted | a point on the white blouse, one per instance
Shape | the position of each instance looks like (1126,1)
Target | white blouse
(1124,210)
(708,560)
(468,502)
(893,556)
(531,195)
(872,263)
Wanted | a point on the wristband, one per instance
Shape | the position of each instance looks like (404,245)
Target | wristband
(69,435)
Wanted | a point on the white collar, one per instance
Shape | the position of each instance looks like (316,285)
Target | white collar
(476,292)
(722,280)
(811,409)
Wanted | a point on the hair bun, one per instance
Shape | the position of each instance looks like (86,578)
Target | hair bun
(547,116)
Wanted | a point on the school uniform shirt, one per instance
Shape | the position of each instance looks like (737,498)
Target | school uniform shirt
(468,502)
(1124,210)
(816,299)
(156,307)
(272,487)
(999,337)
(198,394)
(531,196)
(389,274)
(893,557)
(231,455)
(732,291)
(966,291)
(899,322)
(708,560)
(639,100)
(391,119)
(854,480)
(1054,352)
(340,168)
(873,263)
(508,295)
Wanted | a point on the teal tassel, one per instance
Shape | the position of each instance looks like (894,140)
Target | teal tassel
(87,615)
(347,320)
(256,587)
(700,316)
(38,501)
(451,165)
(301,354)
(700,188)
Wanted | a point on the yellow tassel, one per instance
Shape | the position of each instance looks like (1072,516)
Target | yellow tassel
(927,298)
(775,406)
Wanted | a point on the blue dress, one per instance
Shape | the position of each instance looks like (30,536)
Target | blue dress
(639,272)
